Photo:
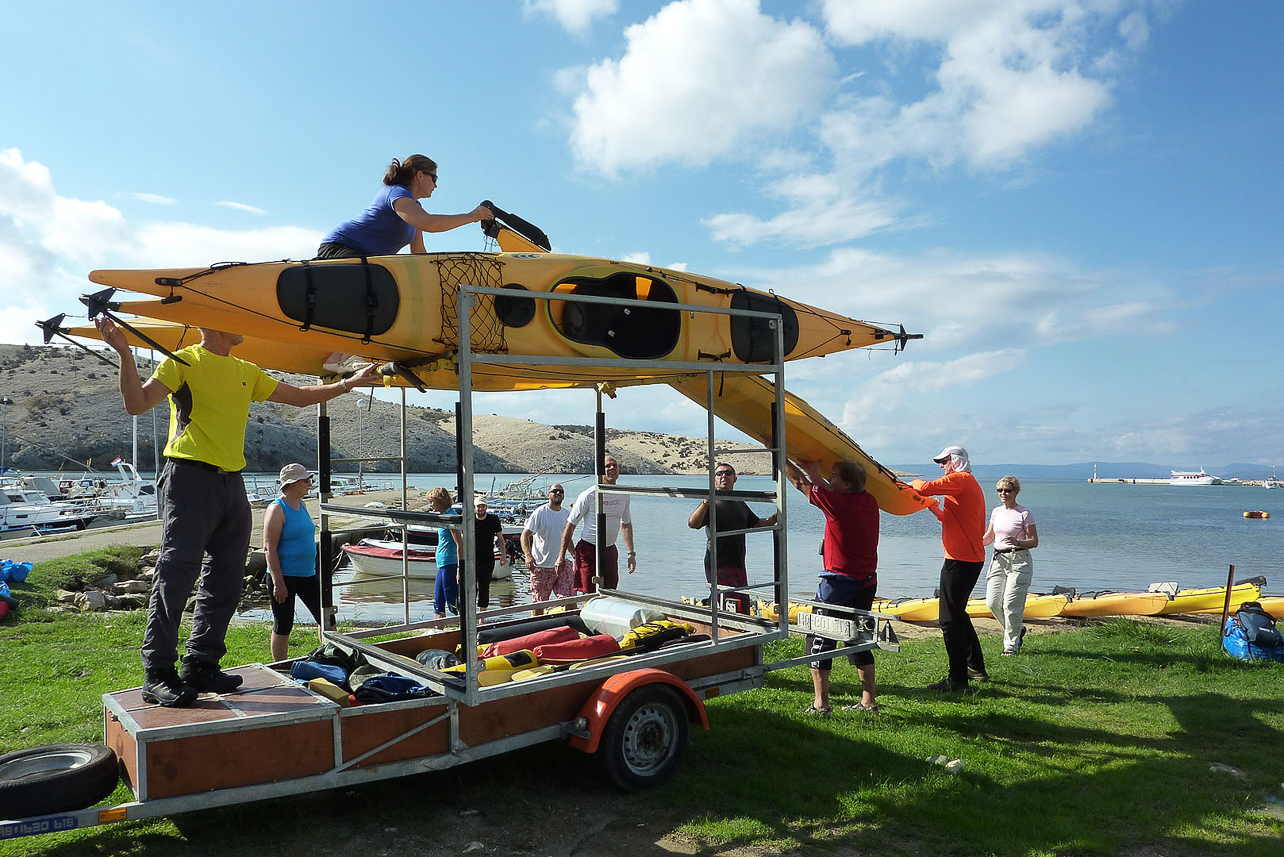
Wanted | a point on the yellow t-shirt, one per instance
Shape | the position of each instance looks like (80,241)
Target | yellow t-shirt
(209,405)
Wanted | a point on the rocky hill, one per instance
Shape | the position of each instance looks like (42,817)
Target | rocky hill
(67,413)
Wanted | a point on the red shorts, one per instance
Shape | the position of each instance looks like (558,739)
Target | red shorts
(586,567)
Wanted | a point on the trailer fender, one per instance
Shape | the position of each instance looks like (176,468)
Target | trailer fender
(599,707)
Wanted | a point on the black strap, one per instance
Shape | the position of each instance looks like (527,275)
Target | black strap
(310,297)
(372,301)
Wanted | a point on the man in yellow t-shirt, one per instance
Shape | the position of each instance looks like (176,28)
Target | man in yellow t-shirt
(204,507)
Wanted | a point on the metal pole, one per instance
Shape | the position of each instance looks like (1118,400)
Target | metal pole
(5,402)
(599,511)
(405,531)
(711,525)
(464,433)
(1230,582)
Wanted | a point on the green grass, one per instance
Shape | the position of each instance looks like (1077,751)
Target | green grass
(1096,741)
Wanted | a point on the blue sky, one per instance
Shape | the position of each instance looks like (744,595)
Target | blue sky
(1077,203)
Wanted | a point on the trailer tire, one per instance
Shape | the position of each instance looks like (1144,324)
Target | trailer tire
(55,778)
(645,738)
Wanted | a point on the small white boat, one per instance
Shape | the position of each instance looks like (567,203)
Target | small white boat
(1193,477)
(383,557)
(33,510)
(1271,483)
(130,496)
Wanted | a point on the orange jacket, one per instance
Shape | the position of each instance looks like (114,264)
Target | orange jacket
(962,516)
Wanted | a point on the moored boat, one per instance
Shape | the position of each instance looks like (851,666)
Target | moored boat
(1193,477)
(384,558)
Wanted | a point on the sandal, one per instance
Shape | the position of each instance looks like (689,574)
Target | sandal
(860,706)
(813,711)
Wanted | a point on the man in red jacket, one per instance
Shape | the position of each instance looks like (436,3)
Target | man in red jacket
(962,526)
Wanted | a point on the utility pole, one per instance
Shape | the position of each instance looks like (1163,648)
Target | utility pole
(5,402)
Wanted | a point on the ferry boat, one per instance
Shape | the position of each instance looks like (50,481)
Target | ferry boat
(1193,477)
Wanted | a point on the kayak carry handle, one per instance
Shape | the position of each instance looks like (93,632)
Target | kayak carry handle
(522,227)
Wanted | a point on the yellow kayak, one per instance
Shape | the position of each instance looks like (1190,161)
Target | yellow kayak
(1036,607)
(913,609)
(745,401)
(1273,604)
(404,308)
(1210,599)
(1115,604)
(307,360)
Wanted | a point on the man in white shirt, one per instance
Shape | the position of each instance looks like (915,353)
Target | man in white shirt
(618,520)
(541,537)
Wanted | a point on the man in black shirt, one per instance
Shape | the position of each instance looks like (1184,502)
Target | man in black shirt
(731,515)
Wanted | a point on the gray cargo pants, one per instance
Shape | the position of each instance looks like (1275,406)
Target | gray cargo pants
(202,512)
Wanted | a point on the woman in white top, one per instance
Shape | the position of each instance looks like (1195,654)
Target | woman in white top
(1013,534)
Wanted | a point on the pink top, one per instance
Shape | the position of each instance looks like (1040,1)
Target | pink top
(1009,524)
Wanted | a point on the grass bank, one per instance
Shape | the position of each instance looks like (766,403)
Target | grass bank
(1121,737)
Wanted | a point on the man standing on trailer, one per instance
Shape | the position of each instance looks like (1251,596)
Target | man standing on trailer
(618,519)
(203,505)
(541,537)
(732,515)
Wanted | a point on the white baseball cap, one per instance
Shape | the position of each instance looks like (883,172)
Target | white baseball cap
(948,451)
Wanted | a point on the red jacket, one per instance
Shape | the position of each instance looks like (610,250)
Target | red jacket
(962,514)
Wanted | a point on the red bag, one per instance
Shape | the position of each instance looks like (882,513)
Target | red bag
(530,641)
(577,650)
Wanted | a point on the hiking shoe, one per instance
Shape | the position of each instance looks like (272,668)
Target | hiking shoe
(948,685)
(164,687)
(207,678)
(979,675)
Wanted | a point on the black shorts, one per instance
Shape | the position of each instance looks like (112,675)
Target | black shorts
(307,591)
(841,592)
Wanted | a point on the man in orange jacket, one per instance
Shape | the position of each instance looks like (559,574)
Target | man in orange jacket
(962,526)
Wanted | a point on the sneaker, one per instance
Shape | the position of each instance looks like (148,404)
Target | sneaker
(207,678)
(948,685)
(979,675)
(164,687)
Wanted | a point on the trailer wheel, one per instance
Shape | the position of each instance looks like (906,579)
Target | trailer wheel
(646,737)
(55,778)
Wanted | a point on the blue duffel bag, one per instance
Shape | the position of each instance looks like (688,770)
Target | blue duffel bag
(1251,635)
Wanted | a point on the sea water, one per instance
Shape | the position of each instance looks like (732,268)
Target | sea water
(1091,537)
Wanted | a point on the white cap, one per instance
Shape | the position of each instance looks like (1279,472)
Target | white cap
(957,454)
(292,473)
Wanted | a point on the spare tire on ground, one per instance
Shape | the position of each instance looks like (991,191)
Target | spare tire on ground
(55,778)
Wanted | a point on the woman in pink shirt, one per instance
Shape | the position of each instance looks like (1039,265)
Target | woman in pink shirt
(1013,534)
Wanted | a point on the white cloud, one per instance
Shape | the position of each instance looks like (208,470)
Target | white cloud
(1012,76)
(49,242)
(822,211)
(699,80)
(241,206)
(960,301)
(153,198)
(170,244)
(575,16)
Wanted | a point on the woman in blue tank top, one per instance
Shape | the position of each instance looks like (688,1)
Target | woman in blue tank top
(396,218)
(289,541)
(446,586)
